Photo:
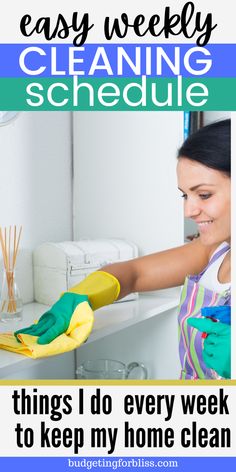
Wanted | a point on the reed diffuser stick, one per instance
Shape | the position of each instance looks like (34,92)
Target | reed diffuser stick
(10,246)
(16,249)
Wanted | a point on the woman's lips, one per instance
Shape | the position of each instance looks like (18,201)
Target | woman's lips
(203,226)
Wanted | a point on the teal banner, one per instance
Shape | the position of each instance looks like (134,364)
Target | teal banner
(119,94)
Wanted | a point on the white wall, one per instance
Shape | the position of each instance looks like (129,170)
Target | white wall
(36,180)
(125,177)
(210,116)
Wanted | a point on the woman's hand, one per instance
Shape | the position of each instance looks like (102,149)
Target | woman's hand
(98,289)
(217,344)
(56,320)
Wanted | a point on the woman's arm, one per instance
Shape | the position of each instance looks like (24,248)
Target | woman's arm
(157,271)
(162,269)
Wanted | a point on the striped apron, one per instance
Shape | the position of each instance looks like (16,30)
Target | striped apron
(194,297)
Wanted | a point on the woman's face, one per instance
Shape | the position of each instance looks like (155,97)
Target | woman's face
(206,194)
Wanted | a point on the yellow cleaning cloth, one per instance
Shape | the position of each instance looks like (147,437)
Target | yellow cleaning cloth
(79,329)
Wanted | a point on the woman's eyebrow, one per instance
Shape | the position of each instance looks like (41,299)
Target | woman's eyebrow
(195,187)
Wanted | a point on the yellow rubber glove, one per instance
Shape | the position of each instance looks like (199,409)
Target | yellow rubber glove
(78,331)
(101,288)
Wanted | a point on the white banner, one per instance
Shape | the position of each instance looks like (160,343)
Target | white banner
(13,12)
(118,420)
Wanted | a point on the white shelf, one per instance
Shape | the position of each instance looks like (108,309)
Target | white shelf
(108,320)
(113,318)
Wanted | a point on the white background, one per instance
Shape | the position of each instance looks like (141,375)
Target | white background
(116,419)
(13,11)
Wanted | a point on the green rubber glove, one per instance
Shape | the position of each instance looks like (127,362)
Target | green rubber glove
(217,345)
(56,320)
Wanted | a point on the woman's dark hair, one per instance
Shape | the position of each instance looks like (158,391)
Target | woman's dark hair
(211,146)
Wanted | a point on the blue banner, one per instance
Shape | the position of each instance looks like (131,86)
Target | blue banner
(62,464)
(117,60)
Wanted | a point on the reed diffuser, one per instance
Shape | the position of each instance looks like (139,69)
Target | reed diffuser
(11,305)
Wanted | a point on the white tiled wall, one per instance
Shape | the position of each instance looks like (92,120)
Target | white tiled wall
(36,183)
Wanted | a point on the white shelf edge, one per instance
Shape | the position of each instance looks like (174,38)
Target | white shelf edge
(115,328)
(11,362)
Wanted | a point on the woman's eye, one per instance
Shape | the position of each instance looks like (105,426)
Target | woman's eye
(184,196)
(204,196)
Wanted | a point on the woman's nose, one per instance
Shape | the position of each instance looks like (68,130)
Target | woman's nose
(191,209)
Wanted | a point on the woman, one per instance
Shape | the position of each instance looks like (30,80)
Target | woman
(203,172)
